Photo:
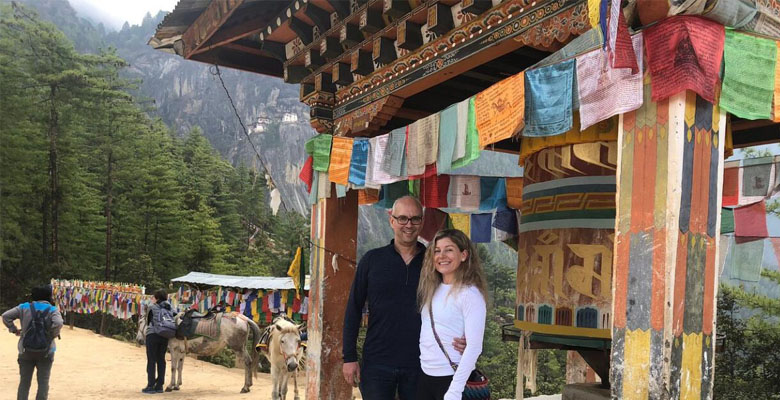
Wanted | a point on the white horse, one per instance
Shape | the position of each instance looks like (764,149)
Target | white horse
(233,333)
(284,352)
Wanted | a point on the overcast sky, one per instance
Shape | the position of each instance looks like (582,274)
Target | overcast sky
(114,13)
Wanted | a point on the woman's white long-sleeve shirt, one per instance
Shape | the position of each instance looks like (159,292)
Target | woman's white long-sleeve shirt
(455,315)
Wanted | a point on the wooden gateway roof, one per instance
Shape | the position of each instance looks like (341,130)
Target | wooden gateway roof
(368,66)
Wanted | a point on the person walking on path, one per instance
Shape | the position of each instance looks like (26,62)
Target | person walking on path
(40,324)
(452,299)
(156,344)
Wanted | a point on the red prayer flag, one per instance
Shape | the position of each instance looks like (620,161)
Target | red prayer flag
(730,186)
(776,247)
(307,173)
(624,55)
(433,220)
(433,191)
(430,170)
(296,307)
(750,220)
(684,53)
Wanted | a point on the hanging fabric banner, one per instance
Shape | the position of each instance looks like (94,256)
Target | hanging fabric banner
(749,75)
(461,222)
(464,192)
(500,110)
(481,228)
(472,137)
(548,92)
(307,173)
(340,157)
(433,191)
(684,53)
(605,91)
(750,220)
(319,148)
(359,162)
(493,193)
(448,133)
(395,154)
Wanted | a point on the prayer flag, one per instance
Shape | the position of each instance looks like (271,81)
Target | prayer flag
(422,145)
(392,192)
(731,183)
(319,148)
(462,129)
(313,195)
(340,157)
(726,220)
(295,272)
(306,174)
(395,153)
(499,110)
(434,190)
(506,220)
(480,228)
(359,162)
(472,138)
(367,196)
(604,91)
(756,173)
(749,75)
(750,220)
(623,50)
(493,193)
(684,53)
(448,133)
(461,222)
(776,94)
(548,92)
(378,149)
(464,192)
(745,261)
(433,221)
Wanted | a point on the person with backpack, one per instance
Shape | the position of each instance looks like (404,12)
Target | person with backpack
(160,326)
(41,323)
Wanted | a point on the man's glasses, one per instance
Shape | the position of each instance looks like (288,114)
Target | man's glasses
(403,219)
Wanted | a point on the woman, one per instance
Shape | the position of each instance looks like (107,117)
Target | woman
(452,289)
(156,345)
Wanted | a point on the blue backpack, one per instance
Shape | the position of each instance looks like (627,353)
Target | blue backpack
(37,337)
(163,322)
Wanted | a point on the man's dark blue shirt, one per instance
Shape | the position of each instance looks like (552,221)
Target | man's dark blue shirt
(389,286)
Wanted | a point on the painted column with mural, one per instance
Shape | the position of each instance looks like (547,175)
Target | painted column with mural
(669,175)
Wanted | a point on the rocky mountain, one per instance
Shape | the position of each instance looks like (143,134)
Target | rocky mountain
(187,94)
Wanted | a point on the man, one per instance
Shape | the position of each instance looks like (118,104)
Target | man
(387,279)
(28,360)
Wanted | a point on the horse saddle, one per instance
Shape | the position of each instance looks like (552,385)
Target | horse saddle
(194,324)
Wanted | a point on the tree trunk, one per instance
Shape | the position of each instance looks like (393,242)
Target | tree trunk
(54,184)
(109,200)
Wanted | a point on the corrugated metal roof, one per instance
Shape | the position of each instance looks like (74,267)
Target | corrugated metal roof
(244,282)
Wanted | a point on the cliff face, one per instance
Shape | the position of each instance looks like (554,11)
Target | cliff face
(187,94)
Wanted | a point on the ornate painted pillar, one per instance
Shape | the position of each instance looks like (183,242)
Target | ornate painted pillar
(669,175)
(334,234)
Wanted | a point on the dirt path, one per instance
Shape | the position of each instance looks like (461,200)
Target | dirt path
(88,366)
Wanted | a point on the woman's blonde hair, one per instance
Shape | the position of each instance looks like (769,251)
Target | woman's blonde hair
(469,273)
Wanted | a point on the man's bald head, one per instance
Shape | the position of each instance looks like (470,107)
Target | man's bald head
(407,200)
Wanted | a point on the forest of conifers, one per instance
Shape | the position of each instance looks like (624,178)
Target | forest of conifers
(93,188)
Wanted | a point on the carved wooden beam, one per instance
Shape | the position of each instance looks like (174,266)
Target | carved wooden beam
(313,59)
(371,21)
(320,17)
(476,6)
(295,73)
(302,29)
(330,48)
(409,35)
(323,82)
(395,9)
(440,18)
(350,36)
(207,24)
(341,7)
(384,50)
(276,49)
(361,62)
(342,74)
(306,89)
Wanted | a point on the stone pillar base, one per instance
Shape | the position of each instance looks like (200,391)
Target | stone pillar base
(585,391)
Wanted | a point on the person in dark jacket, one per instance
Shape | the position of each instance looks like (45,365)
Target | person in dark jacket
(387,279)
(156,346)
(31,361)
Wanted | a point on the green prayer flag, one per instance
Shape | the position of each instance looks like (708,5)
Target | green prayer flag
(726,220)
(749,77)
(472,139)
(319,148)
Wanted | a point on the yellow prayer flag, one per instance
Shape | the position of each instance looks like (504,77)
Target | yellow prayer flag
(462,222)
(593,12)
(295,272)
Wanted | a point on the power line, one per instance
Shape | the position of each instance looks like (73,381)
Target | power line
(218,74)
